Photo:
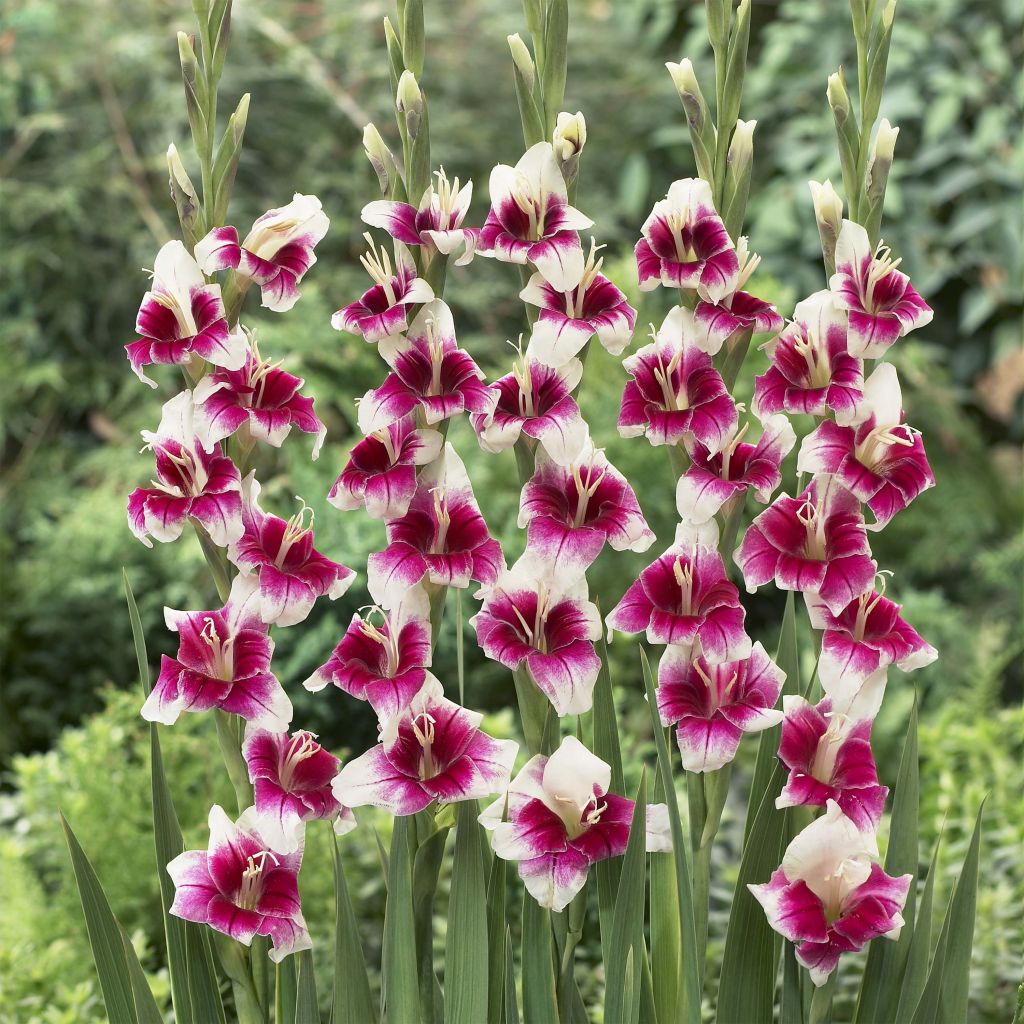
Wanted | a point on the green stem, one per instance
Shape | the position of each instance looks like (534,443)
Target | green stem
(533,710)
(217,560)
(230,740)
(700,866)
(821,1002)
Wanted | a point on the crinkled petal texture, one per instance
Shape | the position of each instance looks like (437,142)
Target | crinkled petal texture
(829,758)
(880,300)
(223,661)
(716,481)
(674,392)
(530,620)
(535,400)
(684,597)
(570,511)
(531,221)
(558,818)
(291,777)
(380,474)
(260,395)
(241,886)
(815,543)
(275,254)
(830,896)
(433,750)
(382,662)
(685,244)
(292,574)
(713,705)
(182,317)
(812,372)
(442,537)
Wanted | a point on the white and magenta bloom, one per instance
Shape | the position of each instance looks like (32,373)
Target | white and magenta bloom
(380,474)
(260,397)
(830,896)
(182,318)
(712,706)
(561,819)
(675,392)
(275,254)
(291,778)
(535,400)
(531,221)
(569,511)
(436,223)
(442,537)
(879,298)
(241,886)
(815,542)
(811,370)
(382,312)
(292,573)
(223,661)
(429,372)
(191,483)
(828,753)
(738,310)
(684,597)
(867,635)
(569,318)
(881,460)
(685,244)
(431,750)
(383,656)
(716,482)
(530,619)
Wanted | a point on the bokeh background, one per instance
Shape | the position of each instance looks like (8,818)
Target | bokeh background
(90,97)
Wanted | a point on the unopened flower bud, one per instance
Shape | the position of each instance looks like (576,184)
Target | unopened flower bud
(741,148)
(379,155)
(688,88)
(409,100)
(838,97)
(523,60)
(881,161)
(183,192)
(888,14)
(570,135)
(828,212)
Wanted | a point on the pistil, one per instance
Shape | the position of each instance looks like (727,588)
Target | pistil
(812,517)
(424,734)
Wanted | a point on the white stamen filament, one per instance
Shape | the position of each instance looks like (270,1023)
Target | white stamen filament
(585,491)
(730,449)
(676,399)
(819,368)
(443,521)
(295,529)
(425,736)
(676,221)
(828,746)
(446,194)
(574,298)
(384,436)
(812,518)
(182,312)
(221,651)
(435,348)
(302,746)
(378,266)
(251,889)
(533,205)
(874,449)
(388,641)
(880,267)
(683,572)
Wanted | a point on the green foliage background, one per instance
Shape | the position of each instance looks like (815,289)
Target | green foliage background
(89,99)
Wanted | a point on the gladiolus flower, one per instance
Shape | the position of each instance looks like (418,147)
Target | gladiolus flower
(192,483)
(570,511)
(241,886)
(182,318)
(531,221)
(684,597)
(812,372)
(381,469)
(382,312)
(431,750)
(223,662)
(675,391)
(291,777)
(737,310)
(292,573)
(436,223)
(535,400)
(814,542)
(881,302)
(570,318)
(881,461)
(442,537)
(830,896)
(867,635)
(716,482)
(685,244)
(827,749)
(384,663)
(712,706)
(262,397)
(561,819)
(531,619)
(429,372)
(275,254)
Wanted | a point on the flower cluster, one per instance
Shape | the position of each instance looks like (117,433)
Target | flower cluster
(268,570)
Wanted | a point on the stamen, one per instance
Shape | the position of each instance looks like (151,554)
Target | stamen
(303,745)
(251,888)
(221,651)
(442,518)
(880,268)
(379,268)
(384,436)
(425,737)
(683,572)
(730,449)
(295,529)
(811,516)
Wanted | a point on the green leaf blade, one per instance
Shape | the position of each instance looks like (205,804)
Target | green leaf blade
(352,1002)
